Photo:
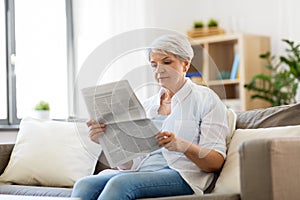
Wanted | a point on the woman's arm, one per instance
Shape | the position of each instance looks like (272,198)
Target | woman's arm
(206,159)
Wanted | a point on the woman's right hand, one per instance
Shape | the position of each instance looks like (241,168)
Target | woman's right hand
(95,130)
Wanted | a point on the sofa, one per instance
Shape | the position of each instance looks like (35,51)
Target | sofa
(262,161)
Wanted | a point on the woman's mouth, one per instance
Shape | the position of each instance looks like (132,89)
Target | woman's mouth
(162,78)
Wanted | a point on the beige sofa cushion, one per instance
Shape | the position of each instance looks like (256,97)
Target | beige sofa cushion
(51,153)
(229,179)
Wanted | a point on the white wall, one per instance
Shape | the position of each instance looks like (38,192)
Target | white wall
(96,21)
(8,136)
(275,18)
(99,20)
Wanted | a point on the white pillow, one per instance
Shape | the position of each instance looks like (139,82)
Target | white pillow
(231,125)
(51,153)
(229,179)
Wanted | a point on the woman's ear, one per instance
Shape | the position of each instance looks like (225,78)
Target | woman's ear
(186,66)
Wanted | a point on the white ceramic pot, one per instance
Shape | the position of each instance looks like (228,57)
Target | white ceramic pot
(42,114)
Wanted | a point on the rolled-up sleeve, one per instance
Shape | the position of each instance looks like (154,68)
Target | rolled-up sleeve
(214,124)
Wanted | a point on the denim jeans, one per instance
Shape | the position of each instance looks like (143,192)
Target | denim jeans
(121,185)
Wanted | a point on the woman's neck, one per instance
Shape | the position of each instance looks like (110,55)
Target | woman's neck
(167,97)
(176,88)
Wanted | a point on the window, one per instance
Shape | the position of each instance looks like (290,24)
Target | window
(3,85)
(38,39)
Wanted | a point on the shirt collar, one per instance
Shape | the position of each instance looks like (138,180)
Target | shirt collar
(180,95)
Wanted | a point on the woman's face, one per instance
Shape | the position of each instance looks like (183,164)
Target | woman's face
(169,71)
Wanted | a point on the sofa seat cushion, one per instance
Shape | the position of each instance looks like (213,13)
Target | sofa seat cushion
(51,153)
(35,191)
(229,179)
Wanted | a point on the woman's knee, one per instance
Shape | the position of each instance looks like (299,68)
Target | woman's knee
(82,185)
(121,186)
(118,182)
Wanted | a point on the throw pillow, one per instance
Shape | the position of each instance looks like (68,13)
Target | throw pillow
(229,179)
(231,125)
(285,115)
(51,153)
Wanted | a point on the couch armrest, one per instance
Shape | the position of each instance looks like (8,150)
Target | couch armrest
(5,151)
(269,169)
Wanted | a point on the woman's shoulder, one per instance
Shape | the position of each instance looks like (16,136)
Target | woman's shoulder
(202,89)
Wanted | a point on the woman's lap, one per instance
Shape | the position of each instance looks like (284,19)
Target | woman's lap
(131,185)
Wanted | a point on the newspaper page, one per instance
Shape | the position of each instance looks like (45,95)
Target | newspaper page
(129,133)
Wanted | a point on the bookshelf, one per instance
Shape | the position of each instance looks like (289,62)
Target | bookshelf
(215,55)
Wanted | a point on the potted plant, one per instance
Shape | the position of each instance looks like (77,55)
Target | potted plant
(198,24)
(200,30)
(42,110)
(280,86)
(212,23)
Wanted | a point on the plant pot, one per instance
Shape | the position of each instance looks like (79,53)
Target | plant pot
(42,114)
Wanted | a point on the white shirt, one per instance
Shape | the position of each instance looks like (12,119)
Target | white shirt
(197,115)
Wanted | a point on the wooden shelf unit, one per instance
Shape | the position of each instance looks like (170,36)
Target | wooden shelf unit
(214,54)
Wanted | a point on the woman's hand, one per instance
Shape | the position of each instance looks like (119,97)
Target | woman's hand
(171,142)
(206,159)
(96,129)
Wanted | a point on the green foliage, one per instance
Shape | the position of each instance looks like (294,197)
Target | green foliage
(198,24)
(293,58)
(212,23)
(280,86)
(42,105)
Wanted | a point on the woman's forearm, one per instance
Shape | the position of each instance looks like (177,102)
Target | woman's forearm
(206,159)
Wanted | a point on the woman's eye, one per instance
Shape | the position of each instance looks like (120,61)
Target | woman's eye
(167,62)
(153,65)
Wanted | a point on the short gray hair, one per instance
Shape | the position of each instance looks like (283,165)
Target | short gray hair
(175,44)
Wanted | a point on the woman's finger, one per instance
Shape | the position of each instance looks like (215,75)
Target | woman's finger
(97,130)
(165,138)
(90,122)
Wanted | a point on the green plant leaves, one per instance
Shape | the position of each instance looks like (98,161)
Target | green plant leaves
(42,105)
(280,86)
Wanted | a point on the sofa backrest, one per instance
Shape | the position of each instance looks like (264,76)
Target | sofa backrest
(5,150)
(285,115)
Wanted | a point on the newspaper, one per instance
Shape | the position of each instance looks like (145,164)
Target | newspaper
(129,133)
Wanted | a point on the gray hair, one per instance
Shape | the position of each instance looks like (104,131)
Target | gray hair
(177,45)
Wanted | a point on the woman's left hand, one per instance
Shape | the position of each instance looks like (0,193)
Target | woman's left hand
(171,142)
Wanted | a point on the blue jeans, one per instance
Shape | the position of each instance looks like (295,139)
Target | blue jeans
(121,185)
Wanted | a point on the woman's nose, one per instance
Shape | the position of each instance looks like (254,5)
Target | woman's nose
(160,68)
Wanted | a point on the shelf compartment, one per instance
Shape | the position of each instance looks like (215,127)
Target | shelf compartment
(226,91)
(214,57)
(223,82)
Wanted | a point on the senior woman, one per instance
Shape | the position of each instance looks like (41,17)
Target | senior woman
(194,126)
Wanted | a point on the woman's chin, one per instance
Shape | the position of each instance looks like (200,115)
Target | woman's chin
(163,84)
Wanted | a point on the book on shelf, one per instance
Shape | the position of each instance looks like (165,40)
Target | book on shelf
(196,77)
(235,66)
